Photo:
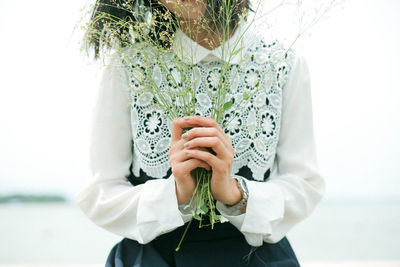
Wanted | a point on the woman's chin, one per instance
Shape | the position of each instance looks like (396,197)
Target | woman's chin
(186,10)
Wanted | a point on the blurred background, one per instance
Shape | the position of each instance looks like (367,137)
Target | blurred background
(46,97)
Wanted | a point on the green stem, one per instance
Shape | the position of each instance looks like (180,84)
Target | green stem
(183,236)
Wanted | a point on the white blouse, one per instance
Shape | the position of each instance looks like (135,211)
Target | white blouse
(145,211)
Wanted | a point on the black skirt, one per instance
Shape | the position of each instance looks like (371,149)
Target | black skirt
(222,246)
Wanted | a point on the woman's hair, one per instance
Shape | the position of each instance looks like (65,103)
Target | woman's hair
(112,21)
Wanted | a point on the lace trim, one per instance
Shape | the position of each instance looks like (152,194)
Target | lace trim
(254,132)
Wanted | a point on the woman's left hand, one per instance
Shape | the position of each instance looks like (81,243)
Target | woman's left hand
(207,133)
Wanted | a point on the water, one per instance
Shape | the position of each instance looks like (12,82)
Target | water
(60,233)
(350,231)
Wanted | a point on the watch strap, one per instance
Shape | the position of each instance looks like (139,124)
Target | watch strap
(244,192)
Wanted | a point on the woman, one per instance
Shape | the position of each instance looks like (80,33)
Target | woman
(264,173)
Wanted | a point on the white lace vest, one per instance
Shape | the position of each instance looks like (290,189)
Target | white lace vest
(254,133)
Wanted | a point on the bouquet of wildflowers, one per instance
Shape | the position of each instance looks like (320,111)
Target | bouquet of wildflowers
(150,28)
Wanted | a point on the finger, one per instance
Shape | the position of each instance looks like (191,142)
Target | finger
(208,132)
(192,164)
(178,124)
(214,143)
(203,122)
(176,146)
(180,156)
(205,156)
(211,123)
(177,130)
(185,167)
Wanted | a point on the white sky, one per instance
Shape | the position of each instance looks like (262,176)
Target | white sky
(47,91)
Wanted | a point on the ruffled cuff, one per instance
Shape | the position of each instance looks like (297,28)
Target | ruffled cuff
(268,198)
(158,203)
(255,225)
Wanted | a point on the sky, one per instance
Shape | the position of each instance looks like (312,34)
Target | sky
(47,93)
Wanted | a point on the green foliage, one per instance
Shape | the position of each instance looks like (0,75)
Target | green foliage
(228,105)
(24,198)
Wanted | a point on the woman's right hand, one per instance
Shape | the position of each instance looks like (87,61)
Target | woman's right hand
(182,165)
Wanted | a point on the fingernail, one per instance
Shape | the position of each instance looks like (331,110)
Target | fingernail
(186,144)
(184,135)
(187,117)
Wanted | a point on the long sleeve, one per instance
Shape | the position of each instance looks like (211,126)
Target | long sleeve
(295,185)
(138,212)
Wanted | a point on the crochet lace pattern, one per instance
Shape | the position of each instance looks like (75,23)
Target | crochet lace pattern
(255,129)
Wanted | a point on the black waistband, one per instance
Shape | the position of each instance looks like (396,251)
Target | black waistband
(204,233)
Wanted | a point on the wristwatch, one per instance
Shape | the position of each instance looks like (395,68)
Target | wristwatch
(243,190)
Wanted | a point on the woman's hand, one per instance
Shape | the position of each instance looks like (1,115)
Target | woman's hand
(182,164)
(206,133)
